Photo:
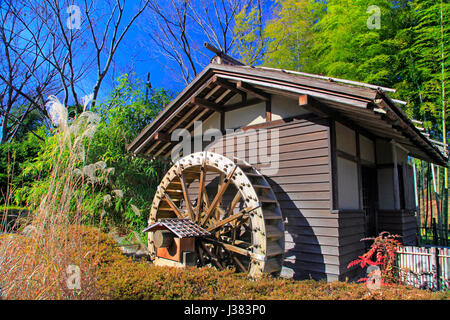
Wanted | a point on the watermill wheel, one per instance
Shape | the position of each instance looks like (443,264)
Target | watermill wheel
(232,201)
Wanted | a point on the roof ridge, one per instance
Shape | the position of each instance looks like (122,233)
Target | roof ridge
(332,79)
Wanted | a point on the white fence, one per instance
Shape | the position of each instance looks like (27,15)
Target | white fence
(424,267)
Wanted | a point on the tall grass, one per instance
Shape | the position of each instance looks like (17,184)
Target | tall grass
(49,259)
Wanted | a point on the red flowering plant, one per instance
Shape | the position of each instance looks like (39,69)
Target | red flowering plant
(380,259)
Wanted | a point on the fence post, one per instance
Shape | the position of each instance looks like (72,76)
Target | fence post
(435,235)
(436,266)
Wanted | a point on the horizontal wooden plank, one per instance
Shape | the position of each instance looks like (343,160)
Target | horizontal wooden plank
(345,240)
(312,248)
(306,204)
(285,129)
(343,223)
(299,178)
(312,230)
(303,222)
(311,257)
(264,157)
(303,195)
(351,230)
(294,212)
(243,141)
(280,144)
(310,158)
(308,169)
(355,249)
(313,161)
(300,240)
(307,267)
(302,187)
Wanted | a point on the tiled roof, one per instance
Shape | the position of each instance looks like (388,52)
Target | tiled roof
(182,228)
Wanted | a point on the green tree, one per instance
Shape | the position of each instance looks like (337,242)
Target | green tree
(291,33)
(118,188)
(429,51)
(250,43)
(123,116)
(356,40)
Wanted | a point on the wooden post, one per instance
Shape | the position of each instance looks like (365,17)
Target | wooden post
(269,110)
(416,202)
(436,266)
(395,177)
(435,235)
(222,122)
(333,166)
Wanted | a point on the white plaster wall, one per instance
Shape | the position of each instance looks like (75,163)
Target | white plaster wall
(245,116)
(282,107)
(348,191)
(345,139)
(367,149)
(285,107)
(212,122)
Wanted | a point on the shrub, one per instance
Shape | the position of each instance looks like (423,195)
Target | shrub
(108,274)
(382,253)
(123,278)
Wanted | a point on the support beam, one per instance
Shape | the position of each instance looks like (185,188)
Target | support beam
(324,111)
(200,115)
(256,92)
(269,110)
(312,105)
(161,136)
(206,104)
(243,104)
(227,85)
(172,205)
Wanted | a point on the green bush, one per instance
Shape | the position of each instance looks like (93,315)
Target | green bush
(119,187)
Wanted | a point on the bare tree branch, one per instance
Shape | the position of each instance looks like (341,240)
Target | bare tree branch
(178,29)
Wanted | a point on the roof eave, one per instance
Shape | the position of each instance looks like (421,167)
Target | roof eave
(177,101)
(435,155)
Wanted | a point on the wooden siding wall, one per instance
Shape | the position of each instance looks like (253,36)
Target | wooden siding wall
(303,189)
(401,222)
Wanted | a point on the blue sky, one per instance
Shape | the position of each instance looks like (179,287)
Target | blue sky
(138,50)
(137,53)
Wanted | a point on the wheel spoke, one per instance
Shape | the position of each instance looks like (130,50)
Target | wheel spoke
(231,218)
(186,196)
(173,205)
(201,188)
(233,204)
(217,211)
(232,248)
(212,256)
(219,195)
(239,263)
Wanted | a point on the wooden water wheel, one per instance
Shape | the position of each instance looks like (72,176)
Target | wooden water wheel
(231,200)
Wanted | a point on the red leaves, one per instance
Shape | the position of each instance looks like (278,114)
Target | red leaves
(381,253)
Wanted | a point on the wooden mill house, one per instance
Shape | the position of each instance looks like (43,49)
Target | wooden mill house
(299,169)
